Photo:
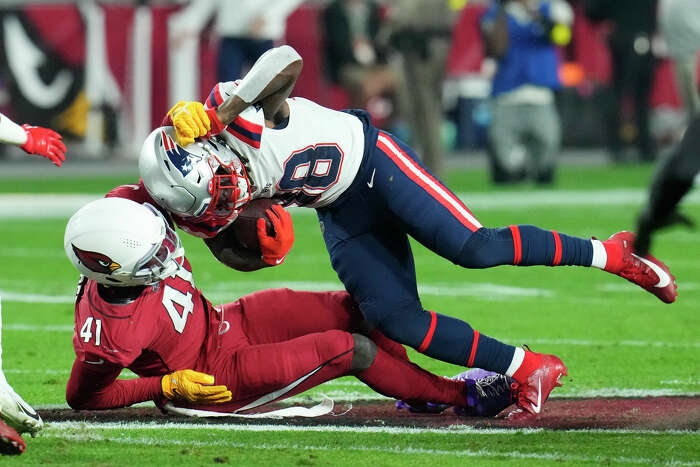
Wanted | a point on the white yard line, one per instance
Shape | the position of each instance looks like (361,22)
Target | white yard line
(452,429)
(563,342)
(227,291)
(56,430)
(342,396)
(37,206)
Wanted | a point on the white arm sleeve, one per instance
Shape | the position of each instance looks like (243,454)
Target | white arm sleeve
(269,65)
(10,132)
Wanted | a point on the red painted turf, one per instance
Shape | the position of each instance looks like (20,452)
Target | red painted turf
(657,413)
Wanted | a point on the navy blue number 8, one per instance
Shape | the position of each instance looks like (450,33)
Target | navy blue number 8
(311,170)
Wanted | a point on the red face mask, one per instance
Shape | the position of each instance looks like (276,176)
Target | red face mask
(230,192)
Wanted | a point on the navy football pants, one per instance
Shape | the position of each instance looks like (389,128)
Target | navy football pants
(366,233)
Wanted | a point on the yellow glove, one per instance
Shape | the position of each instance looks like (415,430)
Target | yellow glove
(190,121)
(193,386)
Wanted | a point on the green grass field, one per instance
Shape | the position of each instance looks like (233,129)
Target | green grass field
(616,339)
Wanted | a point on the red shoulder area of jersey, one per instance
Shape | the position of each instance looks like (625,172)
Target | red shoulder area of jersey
(138,193)
(135,192)
(214,99)
(119,333)
(248,132)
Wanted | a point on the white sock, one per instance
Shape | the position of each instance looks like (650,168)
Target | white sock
(600,257)
(518,357)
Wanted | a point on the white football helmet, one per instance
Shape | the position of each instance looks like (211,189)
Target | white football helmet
(119,242)
(205,180)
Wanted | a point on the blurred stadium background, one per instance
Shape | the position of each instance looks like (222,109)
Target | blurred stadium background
(104,73)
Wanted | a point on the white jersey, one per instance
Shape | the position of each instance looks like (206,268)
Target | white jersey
(310,162)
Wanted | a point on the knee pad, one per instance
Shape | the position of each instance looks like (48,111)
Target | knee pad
(364,353)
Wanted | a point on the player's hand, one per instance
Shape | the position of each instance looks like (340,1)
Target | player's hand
(190,121)
(275,248)
(193,386)
(44,142)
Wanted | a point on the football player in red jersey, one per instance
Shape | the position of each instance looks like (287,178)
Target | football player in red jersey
(137,307)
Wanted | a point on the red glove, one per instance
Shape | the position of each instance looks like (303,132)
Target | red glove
(275,248)
(44,142)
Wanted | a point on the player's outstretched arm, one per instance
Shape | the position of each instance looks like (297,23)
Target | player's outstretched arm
(93,385)
(33,140)
(268,83)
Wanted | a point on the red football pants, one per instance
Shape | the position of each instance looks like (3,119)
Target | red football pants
(280,342)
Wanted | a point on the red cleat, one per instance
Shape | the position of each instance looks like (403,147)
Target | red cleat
(535,388)
(11,443)
(647,272)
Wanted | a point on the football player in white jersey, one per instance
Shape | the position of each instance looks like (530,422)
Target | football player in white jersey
(371,192)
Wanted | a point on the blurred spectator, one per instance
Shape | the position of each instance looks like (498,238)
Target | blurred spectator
(247,29)
(634,22)
(679,22)
(420,30)
(520,35)
(353,55)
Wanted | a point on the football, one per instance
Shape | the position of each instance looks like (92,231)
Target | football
(245,227)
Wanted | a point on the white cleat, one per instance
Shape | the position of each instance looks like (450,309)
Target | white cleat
(17,413)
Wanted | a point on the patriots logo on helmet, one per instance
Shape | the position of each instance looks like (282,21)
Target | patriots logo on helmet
(181,159)
(96,261)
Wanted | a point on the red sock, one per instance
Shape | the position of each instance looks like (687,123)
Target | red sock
(394,349)
(531,361)
(614,252)
(401,379)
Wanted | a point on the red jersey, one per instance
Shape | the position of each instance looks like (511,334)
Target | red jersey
(165,329)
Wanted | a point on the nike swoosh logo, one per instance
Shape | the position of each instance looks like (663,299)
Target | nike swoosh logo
(538,407)
(28,411)
(664,278)
(98,362)
(279,261)
(371,180)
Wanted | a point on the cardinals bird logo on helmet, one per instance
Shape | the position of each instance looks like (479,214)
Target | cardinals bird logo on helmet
(96,261)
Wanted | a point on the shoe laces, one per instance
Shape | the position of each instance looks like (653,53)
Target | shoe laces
(494,386)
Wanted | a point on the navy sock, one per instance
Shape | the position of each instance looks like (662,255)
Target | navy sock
(455,341)
(551,248)
(491,354)
(524,245)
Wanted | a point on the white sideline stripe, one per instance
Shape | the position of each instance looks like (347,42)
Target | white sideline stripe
(225,292)
(565,342)
(343,396)
(482,453)
(340,395)
(451,429)
(54,205)
(42,206)
(35,298)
